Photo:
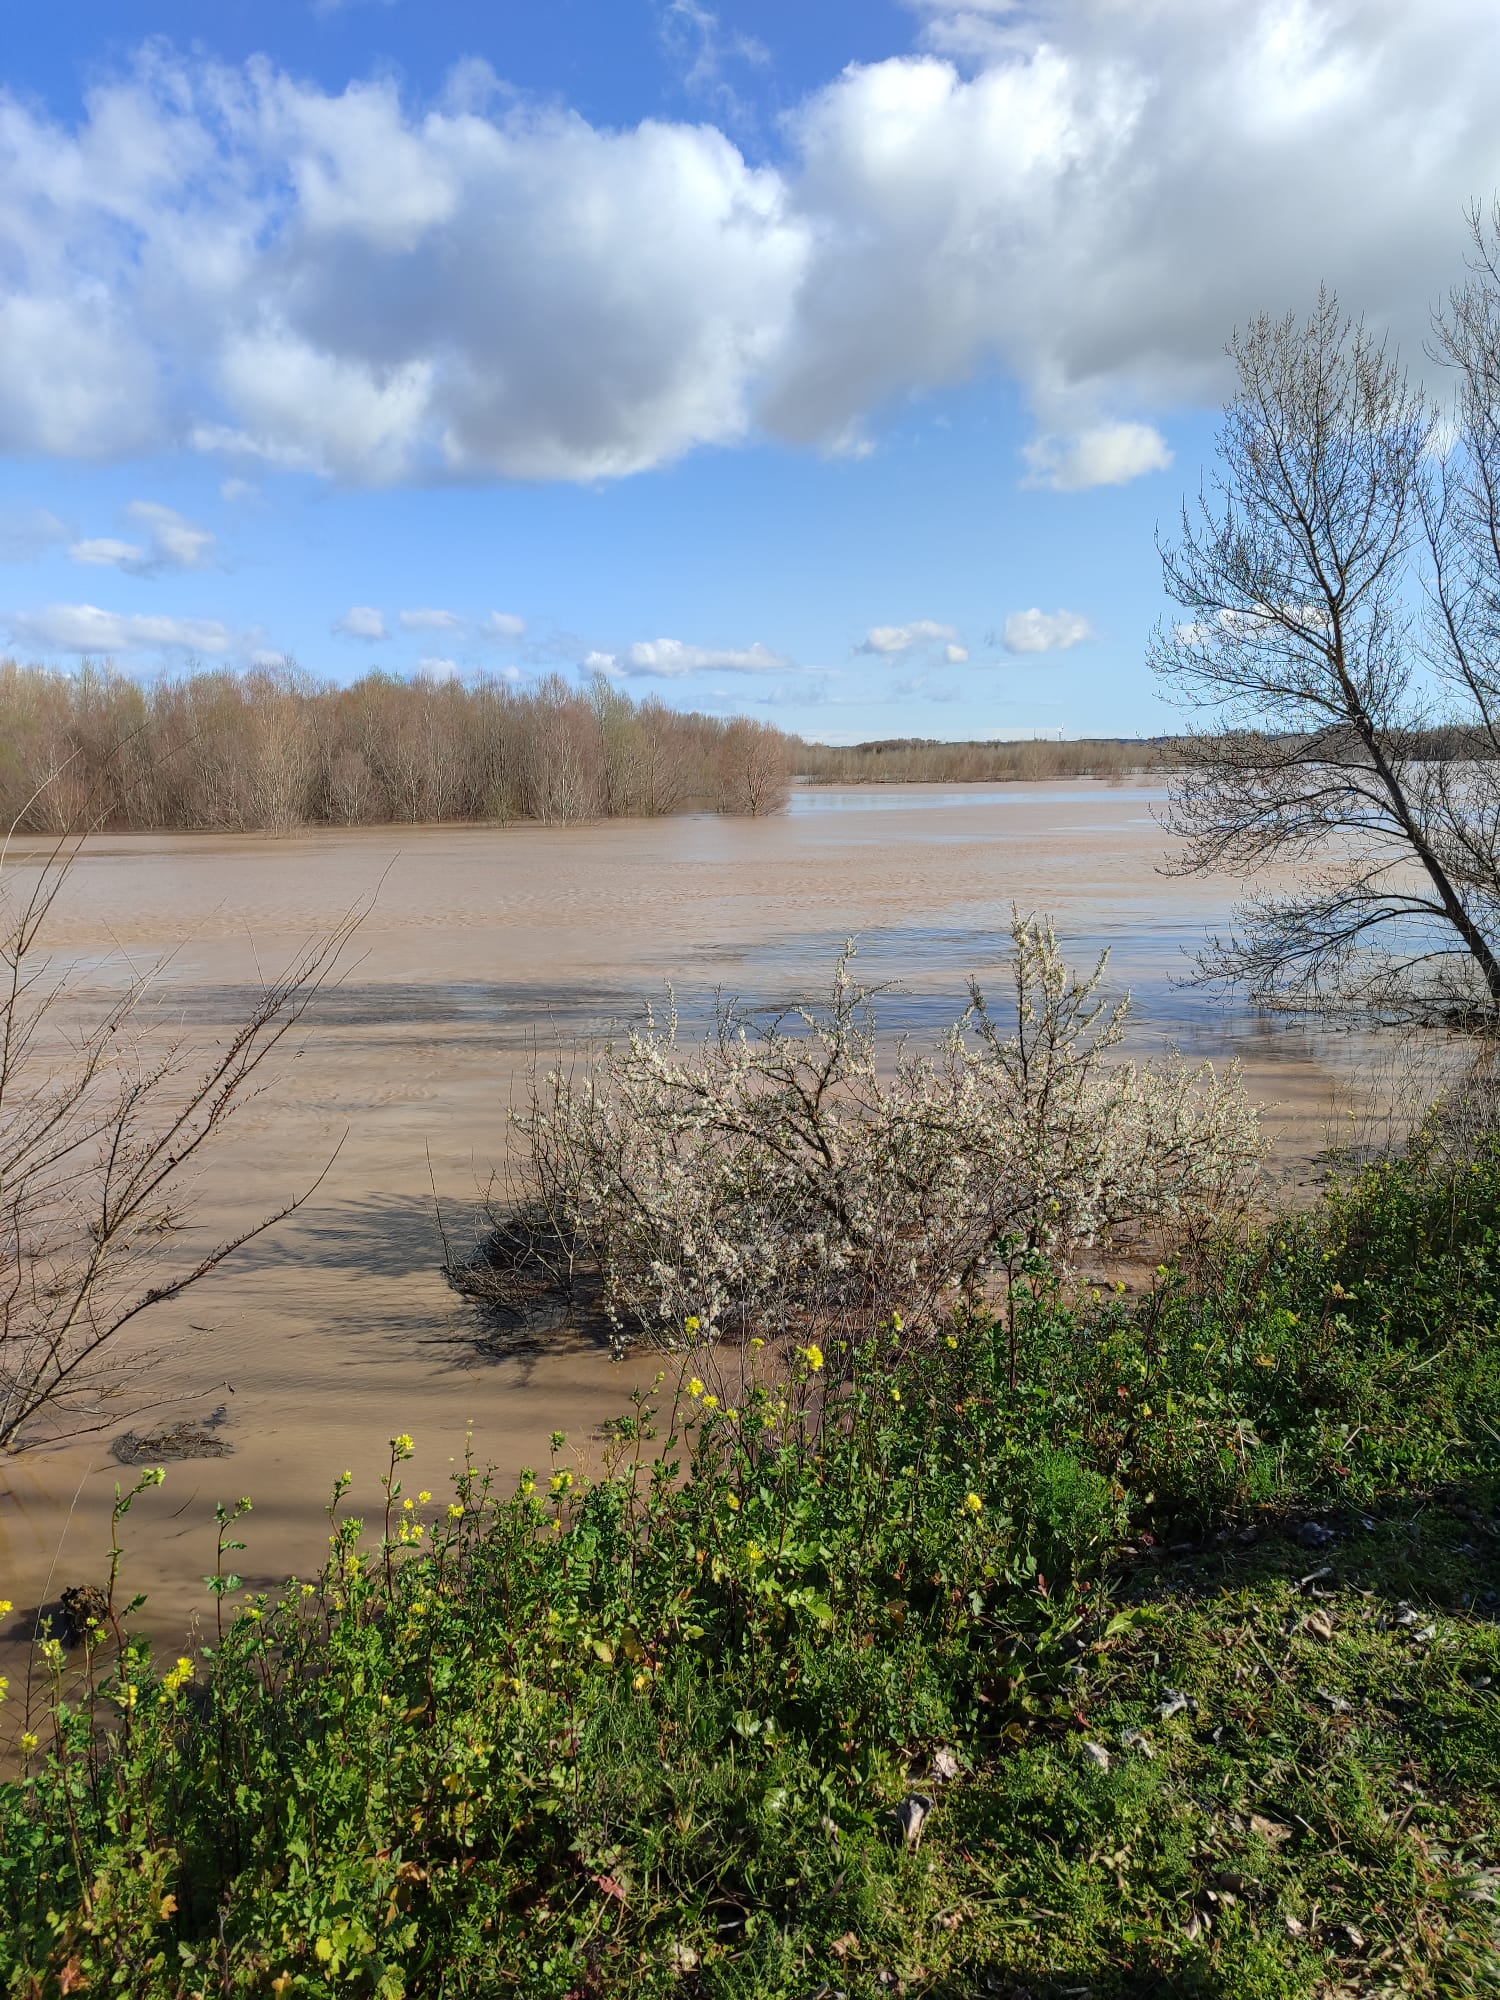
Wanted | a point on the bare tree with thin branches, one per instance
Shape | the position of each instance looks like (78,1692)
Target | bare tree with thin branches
(99,1135)
(1340,582)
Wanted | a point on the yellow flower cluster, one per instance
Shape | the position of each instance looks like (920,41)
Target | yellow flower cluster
(402,1446)
(973,1504)
(812,1354)
(177,1679)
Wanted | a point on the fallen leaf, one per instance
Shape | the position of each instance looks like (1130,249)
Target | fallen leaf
(842,1947)
(944,1764)
(1270,1830)
(1318,1625)
(911,1817)
(609,1886)
(1099,1754)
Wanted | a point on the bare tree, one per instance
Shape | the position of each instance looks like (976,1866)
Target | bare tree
(98,1138)
(1336,641)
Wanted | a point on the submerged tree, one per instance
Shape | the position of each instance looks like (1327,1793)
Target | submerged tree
(1341,584)
(797,1173)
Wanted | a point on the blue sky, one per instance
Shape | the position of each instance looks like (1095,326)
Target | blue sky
(828,362)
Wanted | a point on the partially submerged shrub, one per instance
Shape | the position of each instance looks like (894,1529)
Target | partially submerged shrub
(791,1173)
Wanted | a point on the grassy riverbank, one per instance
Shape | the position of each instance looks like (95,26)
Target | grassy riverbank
(1180,1615)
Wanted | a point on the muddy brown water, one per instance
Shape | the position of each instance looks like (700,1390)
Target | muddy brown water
(322,1340)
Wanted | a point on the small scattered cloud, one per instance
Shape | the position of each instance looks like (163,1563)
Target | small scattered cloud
(103,552)
(438,670)
(923,687)
(703,50)
(173,543)
(955,655)
(270,662)
(86,629)
(1106,455)
(429,620)
(887,641)
(502,625)
(28,532)
(237,489)
(668,658)
(1037,631)
(362,621)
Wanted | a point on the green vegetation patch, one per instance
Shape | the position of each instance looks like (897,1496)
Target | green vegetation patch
(1113,1647)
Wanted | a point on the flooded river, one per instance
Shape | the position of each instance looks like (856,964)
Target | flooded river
(482,944)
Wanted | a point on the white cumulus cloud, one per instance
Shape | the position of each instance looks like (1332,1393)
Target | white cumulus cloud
(86,629)
(502,626)
(362,621)
(376,287)
(173,544)
(1037,631)
(429,621)
(889,640)
(1105,455)
(670,657)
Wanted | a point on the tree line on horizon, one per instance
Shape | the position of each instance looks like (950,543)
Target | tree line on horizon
(272,750)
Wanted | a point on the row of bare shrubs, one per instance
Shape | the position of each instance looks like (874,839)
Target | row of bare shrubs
(916,761)
(274,750)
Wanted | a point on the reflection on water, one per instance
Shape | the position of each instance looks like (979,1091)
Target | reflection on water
(485,945)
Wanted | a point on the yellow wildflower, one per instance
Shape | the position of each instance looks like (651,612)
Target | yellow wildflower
(5,1606)
(710,1402)
(813,1356)
(423,1498)
(695,1387)
(732,1502)
(973,1504)
(178,1678)
(693,1323)
(455,1510)
(29,1743)
(403,1446)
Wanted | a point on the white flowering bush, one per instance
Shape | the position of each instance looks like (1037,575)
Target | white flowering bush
(790,1173)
